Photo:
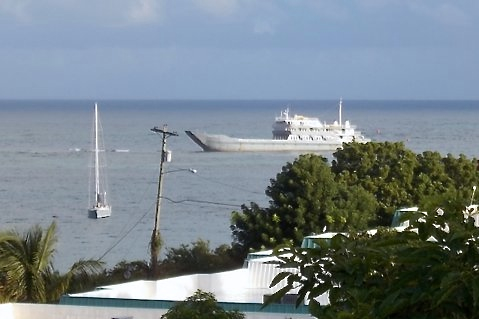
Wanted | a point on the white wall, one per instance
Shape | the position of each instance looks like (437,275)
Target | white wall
(41,311)
(6,311)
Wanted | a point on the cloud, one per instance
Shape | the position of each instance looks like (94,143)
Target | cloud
(220,8)
(444,12)
(16,9)
(327,8)
(264,27)
(78,12)
(448,14)
(379,3)
(144,11)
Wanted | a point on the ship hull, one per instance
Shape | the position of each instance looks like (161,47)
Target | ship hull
(223,143)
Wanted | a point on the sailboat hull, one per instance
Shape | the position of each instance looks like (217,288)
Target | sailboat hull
(99,212)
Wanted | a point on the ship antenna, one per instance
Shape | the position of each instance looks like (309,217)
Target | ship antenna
(340,110)
(473,191)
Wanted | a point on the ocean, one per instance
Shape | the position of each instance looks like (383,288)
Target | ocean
(45,164)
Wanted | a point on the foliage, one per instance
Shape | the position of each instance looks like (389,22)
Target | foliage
(133,270)
(305,199)
(362,188)
(186,259)
(302,197)
(253,228)
(202,305)
(427,271)
(385,170)
(397,177)
(198,258)
(27,272)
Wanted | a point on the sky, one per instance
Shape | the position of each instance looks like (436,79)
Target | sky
(239,49)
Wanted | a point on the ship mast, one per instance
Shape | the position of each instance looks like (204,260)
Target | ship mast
(97,160)
(340,111)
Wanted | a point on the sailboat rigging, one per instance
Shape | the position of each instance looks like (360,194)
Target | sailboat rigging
(99,207)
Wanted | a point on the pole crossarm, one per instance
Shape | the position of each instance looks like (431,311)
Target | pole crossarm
(164,131)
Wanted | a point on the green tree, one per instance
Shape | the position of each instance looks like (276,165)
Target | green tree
(444,181)
(27,272)
(302,197)
(305,199)
(361,189)
(254,228)
(397,177)
(202,305)
(354,209)
(427,271)
(385,170)
(124,270)
(197,258)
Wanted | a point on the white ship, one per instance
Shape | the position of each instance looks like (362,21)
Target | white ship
(290,133)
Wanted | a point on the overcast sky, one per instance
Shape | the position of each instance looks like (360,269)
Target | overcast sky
(239,49)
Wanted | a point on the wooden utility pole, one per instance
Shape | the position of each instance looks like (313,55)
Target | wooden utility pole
(155,243)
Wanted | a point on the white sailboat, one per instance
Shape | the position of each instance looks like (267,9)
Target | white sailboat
(99,207)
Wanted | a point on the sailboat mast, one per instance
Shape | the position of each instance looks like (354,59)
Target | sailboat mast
(100,208)
(97,160)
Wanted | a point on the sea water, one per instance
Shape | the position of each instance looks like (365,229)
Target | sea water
(45,164)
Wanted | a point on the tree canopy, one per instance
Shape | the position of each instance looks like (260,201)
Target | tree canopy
(202,305)
(361,188)
(196,258)
(429,270)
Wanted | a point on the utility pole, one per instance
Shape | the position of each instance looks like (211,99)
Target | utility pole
(155,243)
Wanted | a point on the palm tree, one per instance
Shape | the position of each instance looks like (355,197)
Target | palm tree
(26,269)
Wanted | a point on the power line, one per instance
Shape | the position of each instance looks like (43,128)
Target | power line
(127,233)
(172,201)
(148,211)
(201,202)
(229,185)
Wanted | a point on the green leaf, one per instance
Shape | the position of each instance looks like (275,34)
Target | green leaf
(279,277)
